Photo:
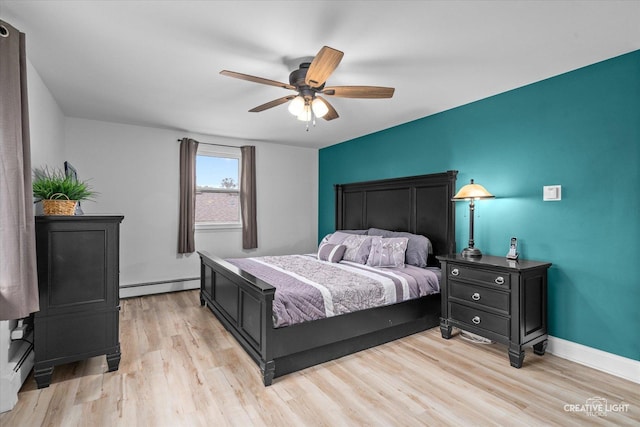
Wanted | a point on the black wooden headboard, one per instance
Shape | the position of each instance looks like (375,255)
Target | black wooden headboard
(418,204)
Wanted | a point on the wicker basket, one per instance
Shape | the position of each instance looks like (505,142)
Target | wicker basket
(57,206)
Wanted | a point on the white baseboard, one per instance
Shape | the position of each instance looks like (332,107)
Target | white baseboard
(613,364)
(141,289)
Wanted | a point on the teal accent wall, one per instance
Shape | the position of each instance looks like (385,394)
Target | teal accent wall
(580,130)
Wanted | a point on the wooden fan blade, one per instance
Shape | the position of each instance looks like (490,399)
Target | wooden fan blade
(272,104)
(322,66)
(256,79)
(332,113)
(359,91)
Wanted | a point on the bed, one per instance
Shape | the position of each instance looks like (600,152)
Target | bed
(244,303)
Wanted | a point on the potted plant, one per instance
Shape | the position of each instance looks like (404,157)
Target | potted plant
(59,192)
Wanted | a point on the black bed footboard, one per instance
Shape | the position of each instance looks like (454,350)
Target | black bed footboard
(243,303)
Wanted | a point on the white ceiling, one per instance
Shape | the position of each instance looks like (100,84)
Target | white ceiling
(157,63)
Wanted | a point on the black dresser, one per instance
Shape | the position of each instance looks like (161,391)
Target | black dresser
(78,281)
(496,298)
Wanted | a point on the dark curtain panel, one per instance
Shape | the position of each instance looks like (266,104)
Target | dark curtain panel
(18,275)
(186,225)
(248,197)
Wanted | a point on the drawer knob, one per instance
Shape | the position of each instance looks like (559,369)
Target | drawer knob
(475,296)
(499,280)
(476,320)
(455,272)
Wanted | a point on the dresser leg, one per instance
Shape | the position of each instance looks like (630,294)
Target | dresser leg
(445,329)
(113,360)
(516,356)
(540,348)
(43,376)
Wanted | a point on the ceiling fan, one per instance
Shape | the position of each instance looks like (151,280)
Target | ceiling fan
(309,82)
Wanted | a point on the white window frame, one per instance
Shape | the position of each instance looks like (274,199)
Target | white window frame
(226,152)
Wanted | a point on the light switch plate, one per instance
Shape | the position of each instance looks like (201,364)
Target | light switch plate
(552,193)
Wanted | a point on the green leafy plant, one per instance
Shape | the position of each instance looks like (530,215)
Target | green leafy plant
(51,184)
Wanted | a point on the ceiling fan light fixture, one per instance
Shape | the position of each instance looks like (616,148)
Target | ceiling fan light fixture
(305,114)
(309,82)
(320,109)
(296,106)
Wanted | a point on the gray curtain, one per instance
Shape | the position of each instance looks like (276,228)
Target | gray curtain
(186,225)
(18,275)
(248,197)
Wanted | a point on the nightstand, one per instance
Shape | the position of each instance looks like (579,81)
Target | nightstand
(496,298)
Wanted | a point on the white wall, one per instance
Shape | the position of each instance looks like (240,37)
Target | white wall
(47,148)
(135,170)
(46,123)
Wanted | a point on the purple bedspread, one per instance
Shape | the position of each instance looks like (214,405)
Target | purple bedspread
(309,289)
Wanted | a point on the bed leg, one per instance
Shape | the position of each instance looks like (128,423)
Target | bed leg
(202,301)
(268,370)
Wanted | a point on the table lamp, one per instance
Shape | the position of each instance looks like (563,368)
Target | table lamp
(472,192)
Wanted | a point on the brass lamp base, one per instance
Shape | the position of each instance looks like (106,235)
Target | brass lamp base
(471,253)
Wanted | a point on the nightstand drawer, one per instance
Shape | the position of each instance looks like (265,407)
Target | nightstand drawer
(480,296)
(484,277)
(480,319)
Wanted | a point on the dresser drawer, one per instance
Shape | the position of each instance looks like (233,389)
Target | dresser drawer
(475,275)
(480,296)
(480,319)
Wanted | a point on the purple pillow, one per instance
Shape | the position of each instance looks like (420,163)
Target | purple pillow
(418,248)
(330,252)
(340,236)
(387,252)
(358,248)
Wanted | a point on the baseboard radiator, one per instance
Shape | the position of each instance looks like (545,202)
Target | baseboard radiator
(16,362)
(159,287)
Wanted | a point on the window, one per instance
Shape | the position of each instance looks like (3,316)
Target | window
(217,187)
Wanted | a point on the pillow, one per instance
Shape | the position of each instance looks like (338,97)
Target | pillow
(325,239)
(341,236)
(358,248)
(387,251)
(331,253)
(418,248)
(362,232)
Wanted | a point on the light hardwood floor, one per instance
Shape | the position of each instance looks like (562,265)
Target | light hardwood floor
(181,368)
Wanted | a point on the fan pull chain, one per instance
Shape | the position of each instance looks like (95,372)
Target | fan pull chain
(313,119)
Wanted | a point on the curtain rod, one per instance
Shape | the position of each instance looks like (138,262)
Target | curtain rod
(211,143)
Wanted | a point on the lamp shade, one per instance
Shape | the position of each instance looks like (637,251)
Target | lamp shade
(296,106)
(319,107)
(473,192)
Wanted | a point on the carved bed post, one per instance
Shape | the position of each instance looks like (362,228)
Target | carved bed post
(339,210)
(267,364)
